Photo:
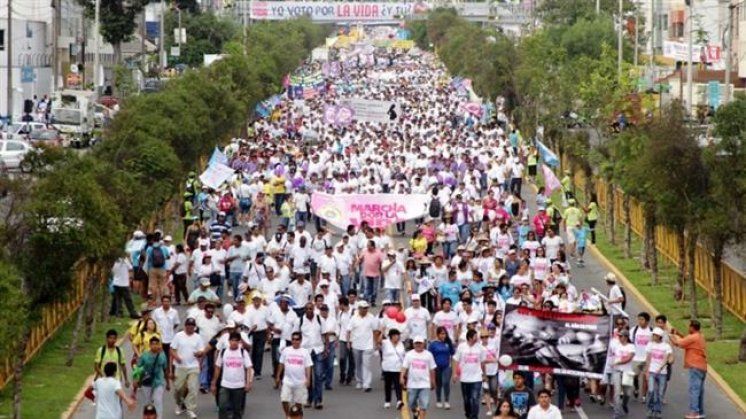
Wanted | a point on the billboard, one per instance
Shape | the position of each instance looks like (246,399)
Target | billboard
(336,11)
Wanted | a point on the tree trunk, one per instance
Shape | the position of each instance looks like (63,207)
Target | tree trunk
(691,250)
(717,291)
(681,272)
(610,225)
(742,348)
(652,252)
(589,186)
(79,323)
(644,261)
(627,227)
(104,304)
(90,312)
(20,364)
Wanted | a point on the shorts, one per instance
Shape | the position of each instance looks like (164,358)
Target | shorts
(419,397)
(293,395)
(570,236)
(638,367)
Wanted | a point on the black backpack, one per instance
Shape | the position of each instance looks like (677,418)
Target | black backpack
(434,208)
(158,258)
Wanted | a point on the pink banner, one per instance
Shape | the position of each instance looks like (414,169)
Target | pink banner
(379,210)
(551,182)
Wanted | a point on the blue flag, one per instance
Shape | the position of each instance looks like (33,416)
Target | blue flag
(549,158)
(218,157)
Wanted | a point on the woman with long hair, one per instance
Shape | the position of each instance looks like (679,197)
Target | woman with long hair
(442,349)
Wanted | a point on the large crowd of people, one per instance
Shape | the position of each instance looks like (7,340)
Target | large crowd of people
(424,298)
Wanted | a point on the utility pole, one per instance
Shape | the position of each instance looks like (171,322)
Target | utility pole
(619,43)
(690,89)
(162,43)
(728,53)
(57,21)
(9,47)
(97,45)
(598,7)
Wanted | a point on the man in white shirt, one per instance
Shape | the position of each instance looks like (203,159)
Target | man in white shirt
(343,262)
(167,319)
(622,354)
(122,273)
(393,275)
(237,378)
(295,370)
(187,349)
(209,325)
(363,336)
(258,320)
(545,409)
(418,376)
(311,327)
(615,297)
(468,364)
(640,336)
(330,332)
(418,318)
(284,323)
(179,271)
(300,291)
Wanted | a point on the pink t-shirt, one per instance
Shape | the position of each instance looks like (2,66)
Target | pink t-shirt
(372,262)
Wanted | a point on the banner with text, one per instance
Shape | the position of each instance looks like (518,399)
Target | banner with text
(368,110)
(336,11)
(379,210)
(215,175)
(552,342)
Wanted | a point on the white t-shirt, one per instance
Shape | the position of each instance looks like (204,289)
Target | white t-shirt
(121,272)
(470,360)
(233,364)
(166,320)
(615,292)
(448,320)
(108,405)
(641,337)
(295,362)
(418,365)
(361,331)
(185,346)
(658,355)
(392,356)
(417,319)
(208,328)
(181,259)
(392,278)
(536,412)
(620,352)
(552,246)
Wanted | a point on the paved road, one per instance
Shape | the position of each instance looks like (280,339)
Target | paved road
(346,402)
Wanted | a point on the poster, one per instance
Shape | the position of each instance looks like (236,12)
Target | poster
(370,110)
(344,11)
(216,175)
(553,342)
(379,210)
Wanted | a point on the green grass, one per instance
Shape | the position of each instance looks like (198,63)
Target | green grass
(48,385)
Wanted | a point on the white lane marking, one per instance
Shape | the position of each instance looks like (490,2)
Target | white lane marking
(581,413)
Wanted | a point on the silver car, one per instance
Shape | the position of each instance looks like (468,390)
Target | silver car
(12,153)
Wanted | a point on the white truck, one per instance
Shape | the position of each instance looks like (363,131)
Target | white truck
(73,114)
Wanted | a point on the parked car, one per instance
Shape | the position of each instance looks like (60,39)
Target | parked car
(13,152)
(48,137)
(19,131)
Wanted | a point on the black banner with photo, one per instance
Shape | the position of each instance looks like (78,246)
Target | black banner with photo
(542,341)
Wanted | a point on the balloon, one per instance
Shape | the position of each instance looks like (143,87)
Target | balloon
(505,360)
(391,312)
(401,317)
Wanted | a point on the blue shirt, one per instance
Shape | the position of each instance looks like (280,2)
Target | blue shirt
(442,353)
(165,251)
(450,290)
(476,286)
(580,235)
(523,234)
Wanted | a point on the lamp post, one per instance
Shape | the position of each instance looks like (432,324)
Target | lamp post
(689,81)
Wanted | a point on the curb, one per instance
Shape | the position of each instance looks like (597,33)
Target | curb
(75,404)
(717,378)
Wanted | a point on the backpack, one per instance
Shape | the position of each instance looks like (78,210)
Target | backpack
(434,208)
(318,320)
(222,353)
(149,375)
(157,258)
(225,204)
(119,356)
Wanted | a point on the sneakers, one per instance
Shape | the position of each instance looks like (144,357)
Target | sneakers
(439,405)
(447,406)
(358,386)
(368,390)
(399,405)
(178,411)
(191,414)
(642,399)
(386,405)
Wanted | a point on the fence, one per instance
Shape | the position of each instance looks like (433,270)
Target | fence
(53,316)
(734,281)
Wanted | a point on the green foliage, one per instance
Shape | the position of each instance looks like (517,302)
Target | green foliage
(568,12)
(206,34)
(116,16)
(12,306)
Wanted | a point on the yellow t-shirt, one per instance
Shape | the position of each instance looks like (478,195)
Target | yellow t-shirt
(572,216)
(418,245)
(115,355)
(278,184)
(141,340)
(592,212)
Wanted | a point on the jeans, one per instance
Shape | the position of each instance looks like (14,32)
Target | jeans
(568,388)
(331,349)
(208,368)
(697,390)
(186,387)
(279,200)
(235,281)
(345,283)
(154,395)
(443,384)
(275,345)
(301,216)
(621,394)
(363,375)
(346,363)
(371,289)
(463,232)
(257,350)
(317,386)
(231,403)
(515,185)
(471,392)
(449,249)
(180,288)
(121,293)
(656,384)
(392,294)
(391,381)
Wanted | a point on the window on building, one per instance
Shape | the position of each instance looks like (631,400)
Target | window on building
(677,30)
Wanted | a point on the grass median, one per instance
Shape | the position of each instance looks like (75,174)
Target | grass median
(48,385)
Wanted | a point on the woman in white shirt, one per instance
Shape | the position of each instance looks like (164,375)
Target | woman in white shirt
(392,358)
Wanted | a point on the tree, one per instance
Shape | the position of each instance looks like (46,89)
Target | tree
(117,19)
(206,34)
(724,222)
